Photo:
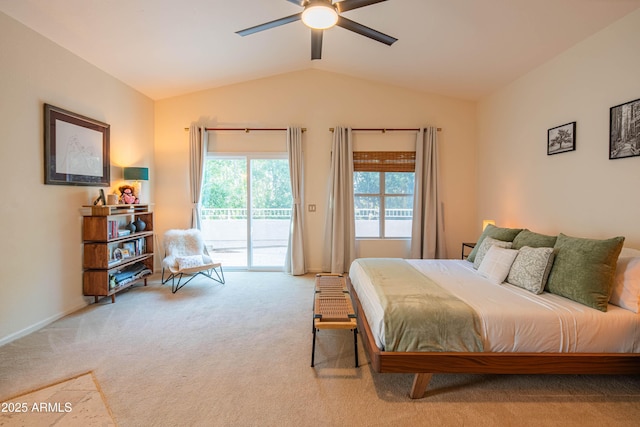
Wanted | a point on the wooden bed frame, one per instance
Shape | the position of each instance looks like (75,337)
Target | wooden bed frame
(424,364)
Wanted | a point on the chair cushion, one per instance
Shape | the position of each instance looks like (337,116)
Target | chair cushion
(190,261)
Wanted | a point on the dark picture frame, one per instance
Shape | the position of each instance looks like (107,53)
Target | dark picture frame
(76,149)
(624,130)
(561,139)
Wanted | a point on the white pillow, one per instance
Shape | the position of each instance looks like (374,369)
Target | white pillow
(190,261)
(496,263)
(626,284)
(531,268)
(484,247)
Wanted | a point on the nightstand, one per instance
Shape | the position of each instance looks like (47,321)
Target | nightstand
(466,245)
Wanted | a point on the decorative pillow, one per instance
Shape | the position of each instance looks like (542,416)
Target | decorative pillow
(531,268)
(584,269)
(504,234)
(533,240)
(190,261)
(626,285)
(484,248)
(496,263)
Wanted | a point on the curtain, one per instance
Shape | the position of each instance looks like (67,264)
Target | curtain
(294,261)
(427,234)
(339,235)
(198,137)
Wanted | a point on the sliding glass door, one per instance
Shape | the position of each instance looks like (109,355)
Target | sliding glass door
(246,210)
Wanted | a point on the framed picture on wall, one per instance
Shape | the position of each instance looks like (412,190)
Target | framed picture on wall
(624,130)
(561,139)
(76,149)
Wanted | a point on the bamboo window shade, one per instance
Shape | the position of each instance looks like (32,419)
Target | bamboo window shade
(384,161)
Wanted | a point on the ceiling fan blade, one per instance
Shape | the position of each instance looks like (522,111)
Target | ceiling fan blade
(316,44)
(298,2)
(348,24)
(345,5)
(270,24)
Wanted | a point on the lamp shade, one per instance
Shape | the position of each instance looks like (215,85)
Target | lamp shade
(486,222)
(136,174)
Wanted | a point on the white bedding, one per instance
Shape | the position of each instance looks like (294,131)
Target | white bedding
(513,319)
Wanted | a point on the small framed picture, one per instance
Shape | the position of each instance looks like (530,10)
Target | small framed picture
(117,254)
(101,198)
(624,130)
(561,139)
(130,247)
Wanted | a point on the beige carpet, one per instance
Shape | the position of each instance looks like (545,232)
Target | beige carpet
(239,355)
(75,402)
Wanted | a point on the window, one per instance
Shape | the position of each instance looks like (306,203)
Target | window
(383,182)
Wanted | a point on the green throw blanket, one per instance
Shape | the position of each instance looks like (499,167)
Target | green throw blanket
(419,315)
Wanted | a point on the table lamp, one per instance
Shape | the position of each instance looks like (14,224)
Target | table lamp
(136,175)
(486,222)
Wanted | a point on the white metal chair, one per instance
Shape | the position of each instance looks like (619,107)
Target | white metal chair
(187,255)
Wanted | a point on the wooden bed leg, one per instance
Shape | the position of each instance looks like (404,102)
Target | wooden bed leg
(420,383)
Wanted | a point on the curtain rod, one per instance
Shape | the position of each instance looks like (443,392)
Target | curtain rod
(384,130)
(247,130)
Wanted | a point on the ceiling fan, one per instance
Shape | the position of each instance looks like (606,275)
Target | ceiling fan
(322,14)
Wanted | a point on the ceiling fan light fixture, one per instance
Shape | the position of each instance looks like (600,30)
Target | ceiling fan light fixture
(320,15)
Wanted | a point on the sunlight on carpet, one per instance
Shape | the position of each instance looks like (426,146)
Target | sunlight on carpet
(77,401)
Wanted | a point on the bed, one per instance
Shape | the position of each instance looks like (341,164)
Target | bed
(517,331)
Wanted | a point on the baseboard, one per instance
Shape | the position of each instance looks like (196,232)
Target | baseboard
(40,325)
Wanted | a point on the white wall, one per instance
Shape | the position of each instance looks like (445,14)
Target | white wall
(318,100)
(580,193)
(40,254)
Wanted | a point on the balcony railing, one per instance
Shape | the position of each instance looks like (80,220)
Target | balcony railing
(241,213)
(285,213)
(374,214)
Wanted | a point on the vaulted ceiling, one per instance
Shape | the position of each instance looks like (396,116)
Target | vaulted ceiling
(459,48)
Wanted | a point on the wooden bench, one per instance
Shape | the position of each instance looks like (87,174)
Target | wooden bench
(332,309)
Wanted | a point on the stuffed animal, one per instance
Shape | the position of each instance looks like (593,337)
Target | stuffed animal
(127,196)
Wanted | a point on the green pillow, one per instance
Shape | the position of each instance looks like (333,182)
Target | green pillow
(584,269)
(533,240)
(498,233)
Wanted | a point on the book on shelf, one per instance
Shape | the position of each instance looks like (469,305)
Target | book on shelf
(141,246)
(112,227)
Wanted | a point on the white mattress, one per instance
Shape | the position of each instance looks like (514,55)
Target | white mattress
(513,319)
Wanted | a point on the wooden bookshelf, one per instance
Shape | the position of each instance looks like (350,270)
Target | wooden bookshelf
(111,251)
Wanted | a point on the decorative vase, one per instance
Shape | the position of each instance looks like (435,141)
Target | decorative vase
(140,224)
(131,227)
